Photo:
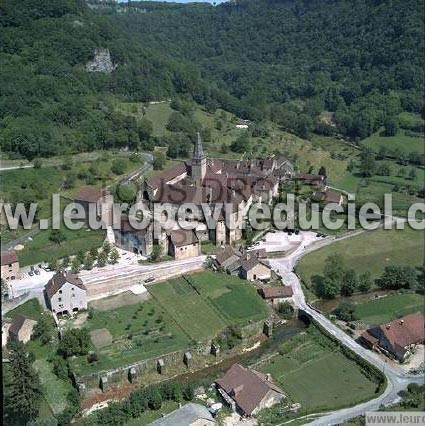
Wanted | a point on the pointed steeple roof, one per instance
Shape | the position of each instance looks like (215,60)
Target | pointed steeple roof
(198,150)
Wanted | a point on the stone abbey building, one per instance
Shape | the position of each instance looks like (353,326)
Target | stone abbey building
(236,184)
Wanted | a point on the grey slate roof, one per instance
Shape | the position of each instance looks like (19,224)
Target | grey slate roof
(184,416)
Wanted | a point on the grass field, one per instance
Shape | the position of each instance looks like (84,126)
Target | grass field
(41,249)
(139,331)
(400,141)
(218,300)
(54,389)
(379,311)
(370,251)
(176,316)
(320,378)
(31,308)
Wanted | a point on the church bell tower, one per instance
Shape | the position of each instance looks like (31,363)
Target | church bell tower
(199,162)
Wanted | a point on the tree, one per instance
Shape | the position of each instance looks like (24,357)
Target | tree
(37,162)
(286,310)
(118,166)
(75,265)
(75,341)
(102,259)
(412,174)
(322,171)
(391,127)
(114,256)
(346,312)
(367,163)
(89,261)
(334,268)
(158,160)
(154,398)
(106,247)
(365,281)
(54,265)
(94,252)
(156,252)
(144,129)
(383,170)
(22,388)
(349,283)
(43,330)
(57,236)
(240,144)
(397,276)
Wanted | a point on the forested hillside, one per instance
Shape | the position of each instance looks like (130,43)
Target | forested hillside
(290,61)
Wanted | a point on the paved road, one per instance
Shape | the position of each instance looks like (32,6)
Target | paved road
(25,166)
(397,379)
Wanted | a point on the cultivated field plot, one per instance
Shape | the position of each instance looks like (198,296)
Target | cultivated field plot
(139,331)
(204,303)
(319,378)
(370,251)
(379,311)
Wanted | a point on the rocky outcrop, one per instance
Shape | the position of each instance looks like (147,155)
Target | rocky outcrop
(102,62)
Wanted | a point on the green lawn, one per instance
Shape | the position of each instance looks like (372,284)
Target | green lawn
(370,251)
(55,390)
(379,311)
(318,377)
(31,308)
(41,249)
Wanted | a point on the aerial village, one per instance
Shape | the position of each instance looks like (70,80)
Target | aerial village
(157,304)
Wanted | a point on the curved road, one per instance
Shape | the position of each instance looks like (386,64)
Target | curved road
(397,379)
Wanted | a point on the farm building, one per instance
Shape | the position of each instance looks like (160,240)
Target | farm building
(252,269)
(21,329)
(398,337)
(183,244)
(309,179)
(66,293)
(189,415)
(9,265)
(96,199)
(276,295)
(328,196)
(247,391)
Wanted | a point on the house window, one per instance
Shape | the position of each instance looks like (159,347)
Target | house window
(60,291)
(59,299)
(61,305)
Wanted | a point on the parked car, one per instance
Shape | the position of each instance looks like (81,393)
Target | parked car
(149,280)
(37,271)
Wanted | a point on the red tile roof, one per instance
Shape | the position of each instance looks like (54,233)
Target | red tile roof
(247,387)
(8,257)
(405,331)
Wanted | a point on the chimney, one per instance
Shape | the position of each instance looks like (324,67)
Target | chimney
(401,322)
(388,326)
(268,377)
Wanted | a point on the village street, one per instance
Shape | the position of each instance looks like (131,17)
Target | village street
(397,379)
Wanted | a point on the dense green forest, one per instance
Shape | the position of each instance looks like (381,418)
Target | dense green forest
(288,61)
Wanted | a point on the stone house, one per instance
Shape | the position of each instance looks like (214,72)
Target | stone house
(21,328)
(276,295)
(252,269)
(248,391)
(66,294)
(328,196)
(9,265)
(183,244)
(396,338)
(97,199)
